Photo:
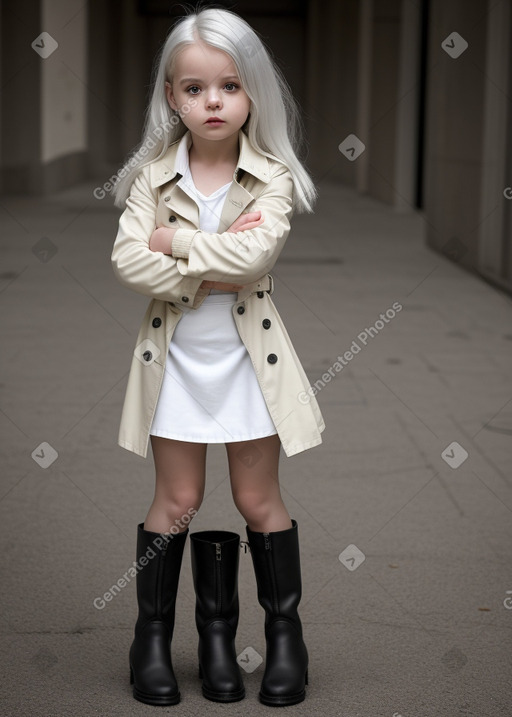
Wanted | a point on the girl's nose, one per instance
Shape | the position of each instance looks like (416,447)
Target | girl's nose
(213,99)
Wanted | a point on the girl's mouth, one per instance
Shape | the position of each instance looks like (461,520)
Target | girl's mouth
(214,121)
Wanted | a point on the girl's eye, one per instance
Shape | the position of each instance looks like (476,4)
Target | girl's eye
(193,89)
(230,86)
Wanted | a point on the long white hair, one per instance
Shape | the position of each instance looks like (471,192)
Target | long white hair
(274,126)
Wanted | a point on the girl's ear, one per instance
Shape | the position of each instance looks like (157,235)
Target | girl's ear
(170,97)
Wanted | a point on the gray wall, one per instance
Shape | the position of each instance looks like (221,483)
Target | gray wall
(437,129)
(454,130)
(20,98)
(43,101)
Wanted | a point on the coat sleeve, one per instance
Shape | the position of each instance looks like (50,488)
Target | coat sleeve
(135,265)
(240,257)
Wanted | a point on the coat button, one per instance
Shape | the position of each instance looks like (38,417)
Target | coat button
(172,218)
(272,358)
(184,299)
(156,323)
(147,355)
(166,199)
(241,310)
(260,294)
(266,323)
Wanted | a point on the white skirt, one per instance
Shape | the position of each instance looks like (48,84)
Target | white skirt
(210,392)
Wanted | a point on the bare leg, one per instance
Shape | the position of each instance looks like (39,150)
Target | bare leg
(179,487)
(253,471)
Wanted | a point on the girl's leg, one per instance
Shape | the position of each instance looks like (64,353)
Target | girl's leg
(253,471)
(180,479)
(180,469)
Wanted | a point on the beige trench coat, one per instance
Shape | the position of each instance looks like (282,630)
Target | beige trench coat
(173,282)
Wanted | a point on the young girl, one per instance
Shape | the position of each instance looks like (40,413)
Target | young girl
(207,202)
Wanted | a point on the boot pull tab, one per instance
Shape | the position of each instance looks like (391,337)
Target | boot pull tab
(245,545)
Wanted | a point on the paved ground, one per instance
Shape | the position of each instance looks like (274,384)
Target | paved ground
(420,627)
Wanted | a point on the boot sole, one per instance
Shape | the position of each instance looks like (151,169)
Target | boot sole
(221,696)
(284,700)
(153,699)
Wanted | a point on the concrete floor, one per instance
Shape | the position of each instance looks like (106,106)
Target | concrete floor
(421,627)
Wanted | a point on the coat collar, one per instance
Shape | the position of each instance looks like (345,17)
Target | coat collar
(250,160)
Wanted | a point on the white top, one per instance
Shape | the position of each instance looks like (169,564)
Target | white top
(210,207)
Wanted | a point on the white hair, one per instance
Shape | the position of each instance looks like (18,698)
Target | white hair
(273,127)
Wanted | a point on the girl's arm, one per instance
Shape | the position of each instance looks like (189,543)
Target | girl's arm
(240,257)
(135,265)
(161,240)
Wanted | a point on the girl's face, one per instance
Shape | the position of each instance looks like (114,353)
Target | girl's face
(208,76)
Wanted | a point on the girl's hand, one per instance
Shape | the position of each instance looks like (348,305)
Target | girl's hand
(161,239)
(251,220)
(243,223)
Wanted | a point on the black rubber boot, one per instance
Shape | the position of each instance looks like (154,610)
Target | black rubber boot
(151,670)
(215,555)
(276,563)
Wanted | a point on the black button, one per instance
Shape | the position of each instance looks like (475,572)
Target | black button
(147,355)
(272,358)
(156,323)
(260,294)
(266,323)
(241,310)
(172,218)
(184,299)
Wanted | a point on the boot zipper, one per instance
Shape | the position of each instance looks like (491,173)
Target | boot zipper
(271,571)
(218,589)
(160,580)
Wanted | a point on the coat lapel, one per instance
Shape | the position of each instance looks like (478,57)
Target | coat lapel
(163,175)
(237,199)
(179,201)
